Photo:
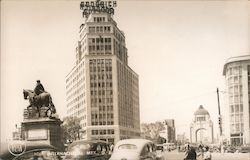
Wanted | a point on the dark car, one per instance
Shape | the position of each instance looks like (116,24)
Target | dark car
(31,151)
(244,150)
(230,149)
(88,150)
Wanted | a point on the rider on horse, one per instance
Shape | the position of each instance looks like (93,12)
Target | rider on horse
(39,98)
(39,88)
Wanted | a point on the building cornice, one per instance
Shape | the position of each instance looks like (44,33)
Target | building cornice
(235,59)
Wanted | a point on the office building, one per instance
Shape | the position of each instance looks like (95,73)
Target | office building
(101,89)
(237,80)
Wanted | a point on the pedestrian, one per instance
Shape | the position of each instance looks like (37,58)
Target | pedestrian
(191,154)
(207,154)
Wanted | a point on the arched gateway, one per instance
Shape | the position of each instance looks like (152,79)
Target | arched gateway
(201,129)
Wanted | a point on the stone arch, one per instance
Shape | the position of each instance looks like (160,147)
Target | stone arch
(196,132)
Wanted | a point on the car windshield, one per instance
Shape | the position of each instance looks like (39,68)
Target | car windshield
(127,146)
(159,147)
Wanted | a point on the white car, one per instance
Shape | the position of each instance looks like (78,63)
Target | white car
(134,149)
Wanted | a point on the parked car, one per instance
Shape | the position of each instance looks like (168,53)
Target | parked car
(32,150)
(244,150)
(134,149)
(88,150)
(230,149)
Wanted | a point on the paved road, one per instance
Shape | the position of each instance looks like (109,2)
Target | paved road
(174,155)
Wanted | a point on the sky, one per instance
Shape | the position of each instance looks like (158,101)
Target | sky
(178,48)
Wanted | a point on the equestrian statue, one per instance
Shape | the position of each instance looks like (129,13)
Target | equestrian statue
(40,102)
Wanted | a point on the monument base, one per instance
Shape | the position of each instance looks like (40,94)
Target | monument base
(43,130)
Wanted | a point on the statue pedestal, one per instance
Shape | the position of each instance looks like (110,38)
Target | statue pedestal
(43,130)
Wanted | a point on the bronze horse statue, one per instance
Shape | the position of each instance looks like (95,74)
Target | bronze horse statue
(42,100)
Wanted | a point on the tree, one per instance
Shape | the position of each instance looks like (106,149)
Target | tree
(152,130)
(71,129)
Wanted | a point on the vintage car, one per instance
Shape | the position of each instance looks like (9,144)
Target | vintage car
(244,149)
(134,149)
(31,150)
(88,150)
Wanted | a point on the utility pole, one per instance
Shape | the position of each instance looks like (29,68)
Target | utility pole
(220,126)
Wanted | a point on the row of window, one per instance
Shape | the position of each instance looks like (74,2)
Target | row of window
(237,128)
(100,53)
(93,48)
(76,92)
(99,29)
(93,68)
(71,86)
(94,76)
(96,123)
(99,40)
(100,67)
(100,61)
(95,116)
(106,108)
(101,84)
(236,89)
(76,99)
(118,35)
(234,79)
(236,108)
(201,118)
(75,71)
(101,100)
(235,118)
(236,70)
(103,131)
(101,92)
(236,99)
(99,19)
(129,105)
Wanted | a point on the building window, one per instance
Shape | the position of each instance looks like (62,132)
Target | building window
(91,29)
(200,118)
(241,107)
(237,108)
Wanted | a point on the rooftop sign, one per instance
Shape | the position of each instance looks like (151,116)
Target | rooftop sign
(97,6)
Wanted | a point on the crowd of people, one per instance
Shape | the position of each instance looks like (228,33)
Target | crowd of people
(203,152)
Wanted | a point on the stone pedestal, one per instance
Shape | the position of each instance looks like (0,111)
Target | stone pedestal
(43,130)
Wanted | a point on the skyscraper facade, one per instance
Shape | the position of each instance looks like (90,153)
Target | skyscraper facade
(237,76)
(101,89)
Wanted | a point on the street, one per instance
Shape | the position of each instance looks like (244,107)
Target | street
(174,155)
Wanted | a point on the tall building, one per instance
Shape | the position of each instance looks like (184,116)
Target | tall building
(101,89)
(237,79)
(201,129)
(170,128)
